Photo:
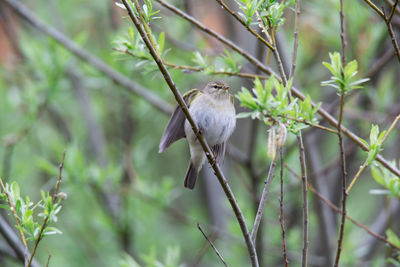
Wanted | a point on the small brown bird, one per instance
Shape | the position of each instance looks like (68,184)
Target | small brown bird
(213,112)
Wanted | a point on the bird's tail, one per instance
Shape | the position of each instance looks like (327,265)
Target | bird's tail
(190,177)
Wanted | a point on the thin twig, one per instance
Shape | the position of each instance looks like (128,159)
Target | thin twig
(46,219)
(341,144)
(282,215)
(263,199)
(392,11)
(217,36)
(304,183)
(238,18)
(374,7)
(365,164)
(295,39)
(337,210)
(197,69)
(221,178)
(391,33)
(212,245)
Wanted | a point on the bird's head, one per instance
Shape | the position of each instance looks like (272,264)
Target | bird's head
(217,87)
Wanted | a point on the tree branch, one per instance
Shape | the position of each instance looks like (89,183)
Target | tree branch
(202,141)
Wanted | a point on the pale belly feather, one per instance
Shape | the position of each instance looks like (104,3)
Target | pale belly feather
(216,122)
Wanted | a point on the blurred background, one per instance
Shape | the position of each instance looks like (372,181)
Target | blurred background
(126,203)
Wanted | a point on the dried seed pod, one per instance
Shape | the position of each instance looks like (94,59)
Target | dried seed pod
(281,135)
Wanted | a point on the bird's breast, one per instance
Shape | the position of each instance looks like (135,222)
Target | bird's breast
(215,119)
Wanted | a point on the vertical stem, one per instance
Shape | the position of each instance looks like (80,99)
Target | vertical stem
(295,39)
(282,216)
(263,199)
(341,146)
(305,199)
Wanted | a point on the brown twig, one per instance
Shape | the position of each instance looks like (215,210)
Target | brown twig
(282,216)
(392,11)
(217,36)
(221,178)
(305,198)
(46,219)
(391,32)
(212,245)
(197,69)
(295,39)
(263,200)
(341,144)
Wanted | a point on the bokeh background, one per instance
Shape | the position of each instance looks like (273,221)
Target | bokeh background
(126,203)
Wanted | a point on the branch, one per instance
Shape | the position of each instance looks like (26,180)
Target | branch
(46,219)
(263,200)
(212,245)
(325,114)
(365,164)
(217,36)
(238,18)
(97,63)
(282,216)
(14,212)
(197,69)
(341,145)
(206,148)
(295,39)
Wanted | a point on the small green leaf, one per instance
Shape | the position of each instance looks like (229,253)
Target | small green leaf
(161,42)
(392,237)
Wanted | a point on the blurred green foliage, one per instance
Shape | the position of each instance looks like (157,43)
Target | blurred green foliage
(126,204)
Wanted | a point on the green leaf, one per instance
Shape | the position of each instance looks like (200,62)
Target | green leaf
(392,237)
(161,42)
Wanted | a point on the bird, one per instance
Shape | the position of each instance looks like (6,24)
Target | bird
(213,111)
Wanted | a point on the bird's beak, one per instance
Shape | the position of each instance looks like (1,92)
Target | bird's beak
(226,87)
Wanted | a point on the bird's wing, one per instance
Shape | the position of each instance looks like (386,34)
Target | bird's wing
(219,151)
(175,129)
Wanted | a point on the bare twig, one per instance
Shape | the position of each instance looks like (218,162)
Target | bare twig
(97,63)
(295,39)
(391,32)
(212,245)
(282,216)
(304,183)
(263,199)
(46,219)
(221,178)
(389,19)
